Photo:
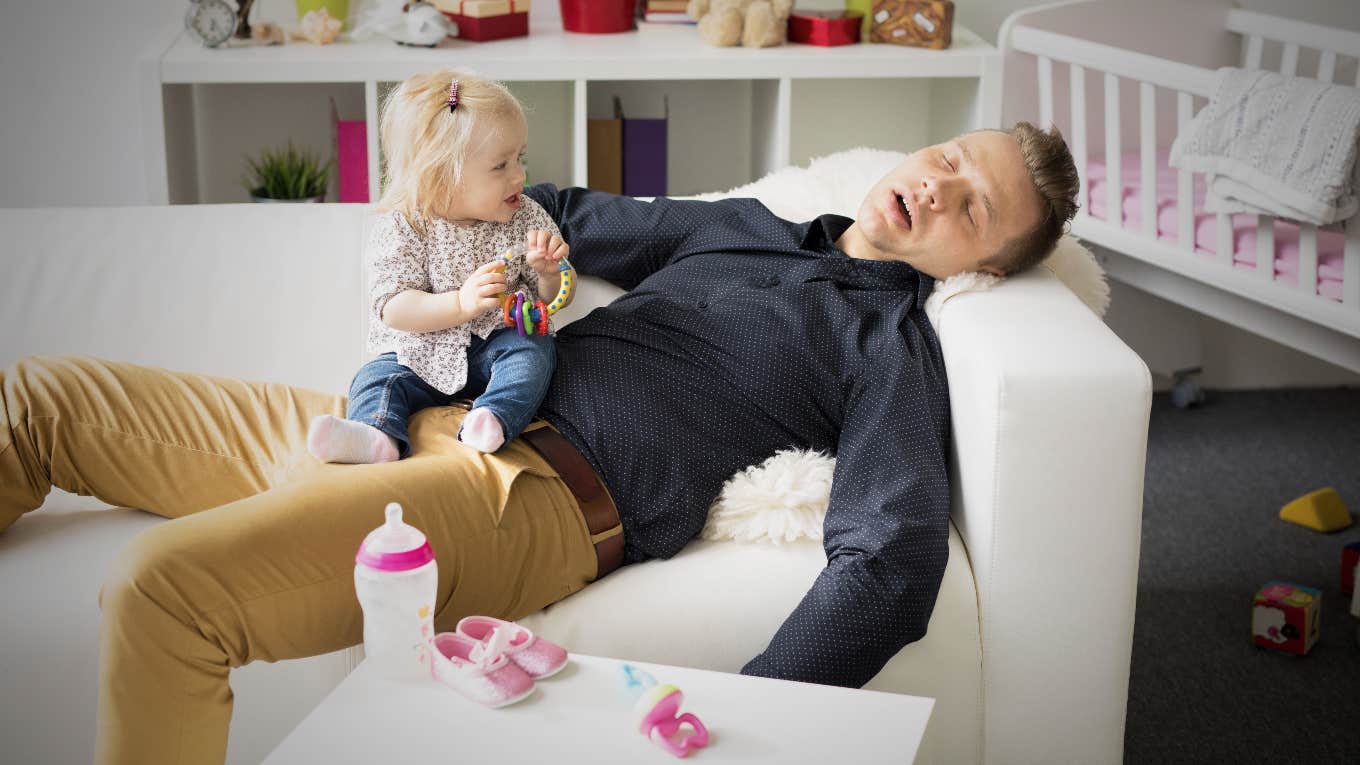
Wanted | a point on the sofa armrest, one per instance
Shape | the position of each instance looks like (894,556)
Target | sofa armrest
(1050,415)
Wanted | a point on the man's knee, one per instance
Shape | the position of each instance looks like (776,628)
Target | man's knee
(137,575)
(30,378)
(30,387)
(157,570)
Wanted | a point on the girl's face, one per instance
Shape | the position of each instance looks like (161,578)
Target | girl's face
(493,173)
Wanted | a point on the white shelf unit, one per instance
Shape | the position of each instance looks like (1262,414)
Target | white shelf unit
(772,107)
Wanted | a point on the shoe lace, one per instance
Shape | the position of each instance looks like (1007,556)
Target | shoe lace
(484,654)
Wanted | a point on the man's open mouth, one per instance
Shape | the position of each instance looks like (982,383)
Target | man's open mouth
(905,208)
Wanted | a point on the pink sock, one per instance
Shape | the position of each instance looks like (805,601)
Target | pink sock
(482,431)
(331,439)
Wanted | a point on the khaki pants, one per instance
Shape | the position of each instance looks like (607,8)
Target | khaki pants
(259,561)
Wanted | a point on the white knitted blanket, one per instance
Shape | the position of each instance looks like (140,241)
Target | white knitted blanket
(1275,145)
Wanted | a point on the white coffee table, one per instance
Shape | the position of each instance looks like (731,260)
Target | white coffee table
(582,715)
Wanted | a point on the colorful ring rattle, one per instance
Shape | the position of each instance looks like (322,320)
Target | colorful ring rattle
(655,707)
(529,319)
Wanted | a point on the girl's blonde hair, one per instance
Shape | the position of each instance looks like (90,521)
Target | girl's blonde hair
(427,146)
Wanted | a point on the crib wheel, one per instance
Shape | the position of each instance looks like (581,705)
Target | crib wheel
(1185,390)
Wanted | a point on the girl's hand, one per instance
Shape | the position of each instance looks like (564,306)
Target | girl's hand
(545,251)
(482,291)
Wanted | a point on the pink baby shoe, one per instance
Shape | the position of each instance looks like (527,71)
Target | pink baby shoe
(480,671)
(540,658)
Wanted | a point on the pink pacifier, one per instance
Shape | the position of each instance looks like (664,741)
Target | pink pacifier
(655,707)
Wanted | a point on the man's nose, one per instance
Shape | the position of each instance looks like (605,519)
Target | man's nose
(938,192)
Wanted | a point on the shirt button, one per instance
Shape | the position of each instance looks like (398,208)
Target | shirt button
(701,305)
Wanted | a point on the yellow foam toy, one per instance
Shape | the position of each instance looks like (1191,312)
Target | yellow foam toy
(1320,510)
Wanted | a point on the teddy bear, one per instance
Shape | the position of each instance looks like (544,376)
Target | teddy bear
(753,23)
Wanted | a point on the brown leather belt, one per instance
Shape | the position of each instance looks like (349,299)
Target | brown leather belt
(597,507)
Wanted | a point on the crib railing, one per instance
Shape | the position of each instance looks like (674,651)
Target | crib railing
(1187,82)
(1257,29)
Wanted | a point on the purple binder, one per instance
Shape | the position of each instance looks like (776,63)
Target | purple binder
(644,157)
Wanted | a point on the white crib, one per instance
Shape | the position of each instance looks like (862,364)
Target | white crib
(1151,64)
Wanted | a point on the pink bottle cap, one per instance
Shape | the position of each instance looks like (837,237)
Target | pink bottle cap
(394,546)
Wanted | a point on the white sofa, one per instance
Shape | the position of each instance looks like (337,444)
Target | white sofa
(1028,648)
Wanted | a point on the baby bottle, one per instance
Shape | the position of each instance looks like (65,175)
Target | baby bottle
(396,580)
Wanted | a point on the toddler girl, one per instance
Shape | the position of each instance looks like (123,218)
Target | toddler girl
(455,146)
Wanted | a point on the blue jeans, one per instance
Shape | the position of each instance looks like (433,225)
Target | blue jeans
(507,374)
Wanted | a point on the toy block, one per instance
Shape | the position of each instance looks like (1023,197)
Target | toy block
(1284,617)
(1350,556)
(1320,510)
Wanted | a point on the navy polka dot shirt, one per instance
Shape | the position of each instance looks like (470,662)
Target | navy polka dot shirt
(743,334)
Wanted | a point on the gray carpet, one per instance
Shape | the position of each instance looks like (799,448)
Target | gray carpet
(1199,691)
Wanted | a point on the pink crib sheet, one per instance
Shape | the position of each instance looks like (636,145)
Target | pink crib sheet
(1330,244)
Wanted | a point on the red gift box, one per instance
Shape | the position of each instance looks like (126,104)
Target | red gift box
(483,20)
(491,27)
(825,28)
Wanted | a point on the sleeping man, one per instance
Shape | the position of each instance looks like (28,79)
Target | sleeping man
(741,334)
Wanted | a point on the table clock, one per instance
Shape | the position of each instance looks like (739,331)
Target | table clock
(211,22)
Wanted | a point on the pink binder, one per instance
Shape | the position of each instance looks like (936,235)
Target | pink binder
(351,158)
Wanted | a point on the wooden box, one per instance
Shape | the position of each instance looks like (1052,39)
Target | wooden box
(920,23)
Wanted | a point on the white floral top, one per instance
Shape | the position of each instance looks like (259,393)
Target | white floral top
(399,259)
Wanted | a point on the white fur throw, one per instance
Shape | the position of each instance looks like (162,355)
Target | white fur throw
(784,498)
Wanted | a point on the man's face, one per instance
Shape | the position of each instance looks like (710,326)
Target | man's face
(949,207)
(493,174)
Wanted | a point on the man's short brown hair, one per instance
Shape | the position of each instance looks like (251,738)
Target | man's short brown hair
(1055,179)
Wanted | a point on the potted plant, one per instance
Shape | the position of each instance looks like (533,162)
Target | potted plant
(288,175)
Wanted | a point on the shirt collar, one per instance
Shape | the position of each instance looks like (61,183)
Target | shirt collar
(821,235)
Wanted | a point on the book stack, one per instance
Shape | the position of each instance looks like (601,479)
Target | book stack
(666,12)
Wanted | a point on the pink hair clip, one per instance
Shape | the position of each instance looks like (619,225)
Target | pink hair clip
(453,96)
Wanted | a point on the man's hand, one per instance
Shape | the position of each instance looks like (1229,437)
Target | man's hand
(545,251)
(482,291)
